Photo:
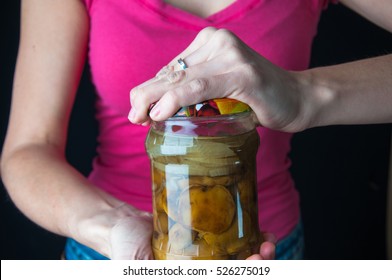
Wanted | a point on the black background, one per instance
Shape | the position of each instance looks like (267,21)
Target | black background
(340,171)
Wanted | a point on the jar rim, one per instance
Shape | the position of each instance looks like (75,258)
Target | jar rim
(209,118)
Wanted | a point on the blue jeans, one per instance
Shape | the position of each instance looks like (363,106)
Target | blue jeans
(289,248)
(77,251)
(292,246)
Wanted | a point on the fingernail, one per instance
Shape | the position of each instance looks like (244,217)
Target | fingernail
(146,123)
(155,111)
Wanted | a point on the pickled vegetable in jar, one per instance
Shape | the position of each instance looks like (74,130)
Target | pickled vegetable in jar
(204,187)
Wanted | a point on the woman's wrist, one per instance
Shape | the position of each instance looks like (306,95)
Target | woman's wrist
(93,228)
(317,97)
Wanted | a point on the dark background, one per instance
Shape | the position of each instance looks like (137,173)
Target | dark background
(341,171)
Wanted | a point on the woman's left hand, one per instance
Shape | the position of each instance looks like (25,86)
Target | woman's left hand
(267,248)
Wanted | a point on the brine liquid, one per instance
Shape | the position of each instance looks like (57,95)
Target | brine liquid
(204,196)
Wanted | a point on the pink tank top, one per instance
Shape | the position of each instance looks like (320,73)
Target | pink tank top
(130,40)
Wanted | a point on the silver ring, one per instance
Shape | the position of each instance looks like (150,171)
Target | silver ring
(182,64)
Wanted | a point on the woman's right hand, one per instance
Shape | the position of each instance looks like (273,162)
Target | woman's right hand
(40,181)
(120,233)
(130,237)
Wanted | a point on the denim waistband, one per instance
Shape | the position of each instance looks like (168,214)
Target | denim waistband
(292,247)
(77,251)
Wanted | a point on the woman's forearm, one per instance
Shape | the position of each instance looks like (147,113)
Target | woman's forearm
(50,60)
(55,196)
(352,93)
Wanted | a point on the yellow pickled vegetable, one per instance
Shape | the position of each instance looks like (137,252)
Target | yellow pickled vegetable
(206,209)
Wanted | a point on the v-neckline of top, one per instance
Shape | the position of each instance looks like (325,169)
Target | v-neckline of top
(182,17)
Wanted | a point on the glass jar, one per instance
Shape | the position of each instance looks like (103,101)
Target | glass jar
(204,187)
